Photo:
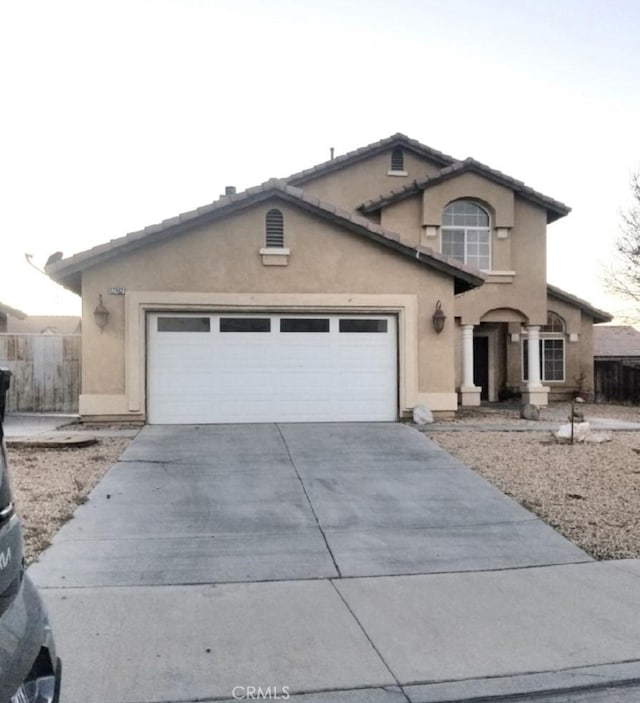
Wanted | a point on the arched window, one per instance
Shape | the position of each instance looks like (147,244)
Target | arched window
(554,323)
(397,159)
(466,234)
(274,229)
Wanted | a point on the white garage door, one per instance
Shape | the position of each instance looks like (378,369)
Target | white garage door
(207,368)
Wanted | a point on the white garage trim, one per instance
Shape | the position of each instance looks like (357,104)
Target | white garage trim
(130,403)
(263,367)
(139,303)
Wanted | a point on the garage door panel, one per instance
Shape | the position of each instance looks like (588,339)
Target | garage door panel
(294,376)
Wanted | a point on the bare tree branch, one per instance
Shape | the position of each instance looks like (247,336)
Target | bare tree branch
(623,277)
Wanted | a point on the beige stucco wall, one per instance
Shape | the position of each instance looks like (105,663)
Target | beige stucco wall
(219,266)
(517,278)
(497,199)
(515,293)
(354,184)
(405,218)
(524,289)
(578,348)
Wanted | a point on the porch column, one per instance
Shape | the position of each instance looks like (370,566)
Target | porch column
(534,392)
(469,394)
(533,356)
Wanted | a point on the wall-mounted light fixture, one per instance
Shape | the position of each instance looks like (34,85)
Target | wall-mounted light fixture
(438,318)
(101,314)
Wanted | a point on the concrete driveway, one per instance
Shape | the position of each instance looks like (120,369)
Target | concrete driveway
(353,562)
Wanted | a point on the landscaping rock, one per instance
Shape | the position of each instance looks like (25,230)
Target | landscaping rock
(422,415)
(530,412)
(580,432)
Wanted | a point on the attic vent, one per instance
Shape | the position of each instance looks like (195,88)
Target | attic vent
(274,228)
(397,160)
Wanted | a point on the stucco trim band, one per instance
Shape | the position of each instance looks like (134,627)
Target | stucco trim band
(103,404)
(139,303)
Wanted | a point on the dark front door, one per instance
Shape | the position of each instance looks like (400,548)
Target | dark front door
(481,365)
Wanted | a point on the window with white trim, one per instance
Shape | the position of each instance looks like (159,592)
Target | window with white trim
(466,234)
(552,355)
(274,229)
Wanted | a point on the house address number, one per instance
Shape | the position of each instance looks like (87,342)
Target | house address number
(117,290)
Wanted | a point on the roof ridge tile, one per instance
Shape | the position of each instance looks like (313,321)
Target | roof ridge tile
(373,147)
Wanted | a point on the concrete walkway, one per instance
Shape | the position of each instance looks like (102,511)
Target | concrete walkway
(29,424)
(35,426)
(339,562)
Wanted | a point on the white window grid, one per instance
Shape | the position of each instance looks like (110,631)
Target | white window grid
(466,234)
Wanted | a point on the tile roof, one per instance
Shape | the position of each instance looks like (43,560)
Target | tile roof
(12,312)
(39,324)
(555,209)
(616,341)
(597,314)
(365,152)
(67,271)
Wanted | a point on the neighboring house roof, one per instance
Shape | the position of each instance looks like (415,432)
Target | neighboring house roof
(68,271)
(12,312)
(597,315)
(368,151)
(616,341)
(554,208)
(45,324)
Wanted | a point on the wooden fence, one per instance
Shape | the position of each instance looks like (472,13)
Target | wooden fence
(46,371)
(617,381)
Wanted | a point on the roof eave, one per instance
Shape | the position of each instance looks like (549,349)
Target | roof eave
(12,312)
(68,272)
(71,282)
(598,316)
(464,278)
(554,208)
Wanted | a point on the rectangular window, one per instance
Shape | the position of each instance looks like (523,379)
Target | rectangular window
(351,325)
(551,360)
(245,324)
(299,324)
(469,246)
(184,324)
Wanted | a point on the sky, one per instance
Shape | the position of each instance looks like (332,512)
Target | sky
(117,115)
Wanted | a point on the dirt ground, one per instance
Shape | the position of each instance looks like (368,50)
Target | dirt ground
(588,492)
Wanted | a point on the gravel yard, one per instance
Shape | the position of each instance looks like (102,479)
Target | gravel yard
(507,414)
(588,492)
(48,484)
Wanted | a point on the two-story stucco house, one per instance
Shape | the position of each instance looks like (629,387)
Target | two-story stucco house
(389,277)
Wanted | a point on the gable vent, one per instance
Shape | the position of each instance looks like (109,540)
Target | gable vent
(274,226)
(397,160)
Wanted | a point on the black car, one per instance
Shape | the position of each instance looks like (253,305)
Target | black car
(29,668)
